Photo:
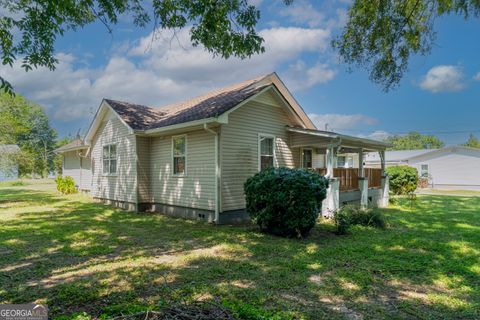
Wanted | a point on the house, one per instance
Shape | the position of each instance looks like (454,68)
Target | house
(191,159)
(8,166)
(454,167)
(76,165)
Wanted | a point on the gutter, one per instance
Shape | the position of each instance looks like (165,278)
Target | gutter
(217,173)
(183,125)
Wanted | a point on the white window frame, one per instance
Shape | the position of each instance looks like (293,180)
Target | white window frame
(348,163)
(184,174)
(421,170)
(268,136)
(303,164)
(109,173)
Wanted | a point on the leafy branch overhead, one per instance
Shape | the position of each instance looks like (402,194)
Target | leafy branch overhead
(29,28)
(381,35)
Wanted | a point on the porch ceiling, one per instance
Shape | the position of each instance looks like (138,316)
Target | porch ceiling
(322,139)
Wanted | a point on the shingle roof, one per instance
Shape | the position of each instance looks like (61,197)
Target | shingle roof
(75,144)
(212,104)
(9,148)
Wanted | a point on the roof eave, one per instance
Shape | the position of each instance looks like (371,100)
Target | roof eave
(368,143)
(177,126)
(60,150)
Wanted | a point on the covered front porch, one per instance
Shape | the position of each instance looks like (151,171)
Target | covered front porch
(341,159)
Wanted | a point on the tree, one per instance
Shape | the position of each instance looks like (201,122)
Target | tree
(26,124)
(472,142)
(414,141)
(29,28)
(382,35)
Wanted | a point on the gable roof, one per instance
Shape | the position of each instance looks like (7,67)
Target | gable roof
(212,104)
(205,108)
(9,148)
(76,144)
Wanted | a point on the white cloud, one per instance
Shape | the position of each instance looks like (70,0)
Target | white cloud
(163,71)
(338,122)
(302,11)
(326,14)
(379,135)
(299,76)
(477,77)
(443,78)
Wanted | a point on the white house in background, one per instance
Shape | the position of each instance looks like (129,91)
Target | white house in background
(454,167)
(191,159)
(76,165)
(8,169)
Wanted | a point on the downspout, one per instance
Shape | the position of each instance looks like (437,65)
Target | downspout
(217,172)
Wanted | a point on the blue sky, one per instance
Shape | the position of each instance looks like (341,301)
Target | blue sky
(439,94)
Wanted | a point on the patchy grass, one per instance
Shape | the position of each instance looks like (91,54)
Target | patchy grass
(80,256)
(463,193)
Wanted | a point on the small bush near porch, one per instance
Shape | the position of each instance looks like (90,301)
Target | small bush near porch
(80,256)
(285,201)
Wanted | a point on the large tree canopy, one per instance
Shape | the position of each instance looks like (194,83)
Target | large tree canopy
(381,35)
(26,124)
(414,141)
(29,28)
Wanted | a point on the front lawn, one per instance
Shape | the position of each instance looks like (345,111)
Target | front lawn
(79,256)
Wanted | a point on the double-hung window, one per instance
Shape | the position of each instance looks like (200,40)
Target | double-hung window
(345,162)
(179,154)
(266,151)
(424,170)
(307,158)
(110,159)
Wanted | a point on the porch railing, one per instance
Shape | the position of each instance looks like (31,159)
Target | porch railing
(348,177)
(374,176)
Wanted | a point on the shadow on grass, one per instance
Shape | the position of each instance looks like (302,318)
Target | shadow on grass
(77,255)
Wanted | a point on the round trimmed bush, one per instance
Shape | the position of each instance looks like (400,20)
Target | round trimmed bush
(284,201)
(403,179)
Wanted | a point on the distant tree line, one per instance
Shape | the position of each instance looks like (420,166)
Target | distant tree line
(25,124)
(416,141)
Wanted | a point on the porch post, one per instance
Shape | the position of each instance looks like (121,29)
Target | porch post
(382,161)
(330,160)
(362,181)
(385,183)
(361,169)
(332,201)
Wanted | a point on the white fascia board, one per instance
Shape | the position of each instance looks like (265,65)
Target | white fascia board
(178,126)
(97,119)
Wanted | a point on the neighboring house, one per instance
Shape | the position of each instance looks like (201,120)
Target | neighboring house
(454,167)
(8,167)
(191,159)
(76,165)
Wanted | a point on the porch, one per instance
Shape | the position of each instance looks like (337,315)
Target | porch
(341,159)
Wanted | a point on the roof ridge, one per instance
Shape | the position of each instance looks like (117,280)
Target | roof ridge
(206,95)
(208,105)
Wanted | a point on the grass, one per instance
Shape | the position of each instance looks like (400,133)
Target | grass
(467,193)
(80,256)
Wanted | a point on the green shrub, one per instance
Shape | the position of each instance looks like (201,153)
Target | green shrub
(342,220)
(350,215)
(284,201)
(403,179)
(65,185)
